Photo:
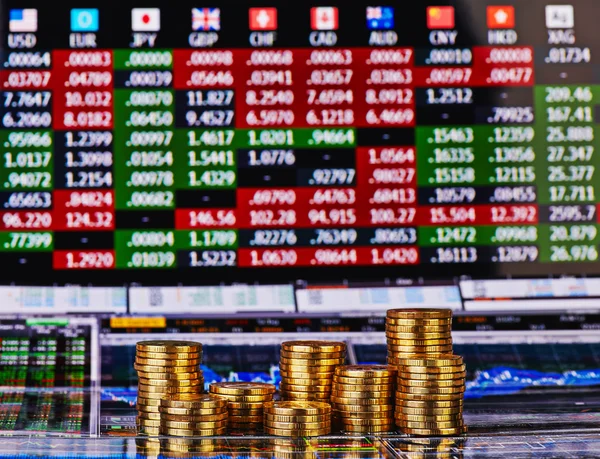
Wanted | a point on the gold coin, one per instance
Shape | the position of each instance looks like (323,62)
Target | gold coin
(298,432)
(245,419)
(428,397)
(418,336)
(167,346)
(433,377)
(310,362)
(419,313)
(409,411)
(200,425)
(169,383)
(431,390)
(367,421)
(194,401)
(293,408)
(147,408)
(149,415)
(446,360)
(369,429)
(417,322)
(298,425)
(170,376)
(361,394)
(298,418)
(418,329)
(363,408)
(242,388)
(169,356)
(361,381)
(434,419)
(247,412)
(364,371)
(193,411)
(358,401)
(313,355)
(147,422)
(318,372)
(303,374)
(450,369)
(164,369)
(403,402)
(195,418)
(169,389)
(313,346)
(309,382)
(430,432)
(193,433)
(320,396)
(246,405)
(364,388)
(147,401)
(361,415)
(304,388)
(435,383)
(167,363)
(147,430)
(151,395)
(245,398)
(430,425)
(419,342)
(420,349)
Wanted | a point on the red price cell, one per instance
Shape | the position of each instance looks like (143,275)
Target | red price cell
(267,218)
(79,259)
(74,100)
(84,119)
(88,79)
(77,200)
(24,221)
(385,156)
(80,58)
(332,217)
(390,96)
(390,176)
(84,221)
(389,117)
(404,196)
(205,218)
(394,256)
(390,216)
(392,56)
(327,57)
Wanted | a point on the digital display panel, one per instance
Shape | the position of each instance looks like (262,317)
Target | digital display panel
(156,142)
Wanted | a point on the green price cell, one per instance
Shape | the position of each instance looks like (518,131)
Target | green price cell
(147,259)
(144,59)
(131,199)
(26,242)
(478,235)
(26,180)
(136,241)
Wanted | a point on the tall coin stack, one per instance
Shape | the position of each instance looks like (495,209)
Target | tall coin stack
(297,418)
(363,398)
(193,415)
(165,368)
(245,403)
(418,331)
(429,400)
(307,368)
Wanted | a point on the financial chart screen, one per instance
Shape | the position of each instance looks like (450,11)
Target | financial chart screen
(190,140)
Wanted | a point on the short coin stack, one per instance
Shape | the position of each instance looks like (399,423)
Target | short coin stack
(363,398)
(193,415)
(429,400)
(165,368)
(245,402)
(307,367)
(297,418)
(418,331)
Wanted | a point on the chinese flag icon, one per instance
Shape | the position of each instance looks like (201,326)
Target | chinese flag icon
(440,17)
(500,17)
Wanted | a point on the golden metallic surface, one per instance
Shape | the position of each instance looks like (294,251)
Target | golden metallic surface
(298,425)
(420,349)
(361,381)
(201,425)
(303,388)
(432,432)
(303,374)
(242,388)
(311,362)
(299,367)
(313,355)
(418,329)
(445,360)
(363,408)
(147,402)
(438,383)
(293,408)
(169,346)
(431,390)
(433,377)
(449,369)
(170,389)
(313,346)
(193,433)
(194,401)
(365,371)
(150,395)
(361,414)
(430,411)
(401,396)
(193,411)
(418,322)
(364,387)
(163,369)
(430,425)
(246,412)
(359,401)
(147,422)
(418,313)
(297,432)
(153,431)
(362,394)
(169,356)
(418,342)
(369,429)
(367,422)
(245,398)
(411,336)
(305,396)
(298,418)
(246,405)
(434,419)
(167,363)
(309,382)
(429,403)
(195,419)
(171,382)
(170,376)
(154,415)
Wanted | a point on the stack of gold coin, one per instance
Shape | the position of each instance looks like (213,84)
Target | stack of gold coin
(307,367)
(418,331)
(193,415)
(297,418)
(245,402)
(430,394)
(363,398)
(165,368)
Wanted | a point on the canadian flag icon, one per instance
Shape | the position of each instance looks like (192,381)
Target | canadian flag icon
(324,18)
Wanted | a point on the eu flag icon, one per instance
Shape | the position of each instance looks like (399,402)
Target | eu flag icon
(84,20)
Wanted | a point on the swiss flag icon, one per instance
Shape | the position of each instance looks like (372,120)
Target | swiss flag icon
(263,19)
(324,18)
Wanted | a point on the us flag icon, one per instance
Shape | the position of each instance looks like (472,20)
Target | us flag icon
(324,18)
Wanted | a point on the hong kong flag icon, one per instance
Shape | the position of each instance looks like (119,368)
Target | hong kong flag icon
(324,18)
